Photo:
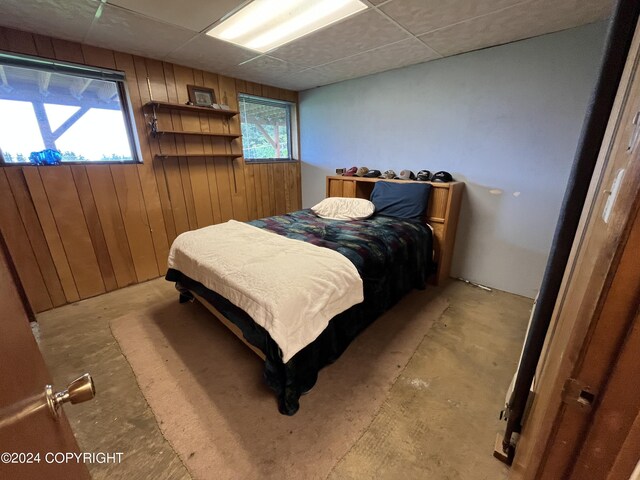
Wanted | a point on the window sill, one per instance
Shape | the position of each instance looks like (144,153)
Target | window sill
(71,164)
(261,161)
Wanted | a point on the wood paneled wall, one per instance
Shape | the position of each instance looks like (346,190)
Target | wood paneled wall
(78,231)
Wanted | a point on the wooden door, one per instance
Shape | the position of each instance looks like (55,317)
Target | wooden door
(575,400)
(611,447)
(593,437)
(23,376)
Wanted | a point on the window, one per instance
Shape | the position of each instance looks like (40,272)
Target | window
(53,112)
(266,129)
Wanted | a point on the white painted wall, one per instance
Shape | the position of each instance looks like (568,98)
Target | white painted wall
(506,118)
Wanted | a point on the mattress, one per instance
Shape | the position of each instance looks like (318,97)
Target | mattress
(290,288)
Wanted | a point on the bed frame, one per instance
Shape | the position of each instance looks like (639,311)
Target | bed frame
(442,216)
(442,213)
(227,323)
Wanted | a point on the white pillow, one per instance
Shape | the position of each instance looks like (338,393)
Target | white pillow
(340,208)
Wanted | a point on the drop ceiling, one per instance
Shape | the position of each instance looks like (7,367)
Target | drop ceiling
(389,34)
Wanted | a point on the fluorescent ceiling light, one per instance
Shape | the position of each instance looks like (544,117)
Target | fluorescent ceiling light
(266,24)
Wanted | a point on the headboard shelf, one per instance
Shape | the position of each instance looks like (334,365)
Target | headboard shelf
(442,213)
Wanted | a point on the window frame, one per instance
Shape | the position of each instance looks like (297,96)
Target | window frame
(292,135)
(83,71)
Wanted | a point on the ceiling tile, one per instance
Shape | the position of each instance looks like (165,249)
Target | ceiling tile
(376,2)
(272,71)
(207,53)
(354,35)
(67,19)
(194,15)
(421,16)
(123,30)
(400,54)
(263,69)
(536,17)
(307,79)
(264,65)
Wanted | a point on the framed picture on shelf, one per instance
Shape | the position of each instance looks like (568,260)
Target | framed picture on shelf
(201,96)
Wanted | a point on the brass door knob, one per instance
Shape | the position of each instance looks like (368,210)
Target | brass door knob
(78,391)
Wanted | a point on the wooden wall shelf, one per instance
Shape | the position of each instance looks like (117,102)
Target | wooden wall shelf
(190,108)
(204,134)
(156,106)
(199,155)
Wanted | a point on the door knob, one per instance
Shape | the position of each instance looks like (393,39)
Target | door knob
(78,391)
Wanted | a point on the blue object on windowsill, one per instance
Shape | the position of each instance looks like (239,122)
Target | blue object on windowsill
(46,157)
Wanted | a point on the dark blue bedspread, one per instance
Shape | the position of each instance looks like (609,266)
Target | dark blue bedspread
(379,247)
(393,256)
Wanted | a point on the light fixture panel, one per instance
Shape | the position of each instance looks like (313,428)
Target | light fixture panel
(263,25)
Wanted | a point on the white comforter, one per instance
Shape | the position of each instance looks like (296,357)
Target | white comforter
(289,287)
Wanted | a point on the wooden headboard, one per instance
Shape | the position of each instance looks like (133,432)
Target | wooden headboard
(442,213)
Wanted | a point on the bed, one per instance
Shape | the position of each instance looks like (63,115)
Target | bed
(392,256)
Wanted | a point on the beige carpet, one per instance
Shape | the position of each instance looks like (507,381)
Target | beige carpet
(205,388)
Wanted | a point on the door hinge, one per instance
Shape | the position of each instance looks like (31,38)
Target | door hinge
(577,394)
(635,134)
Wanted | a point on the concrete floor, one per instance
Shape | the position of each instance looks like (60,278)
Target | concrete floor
(439,420)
